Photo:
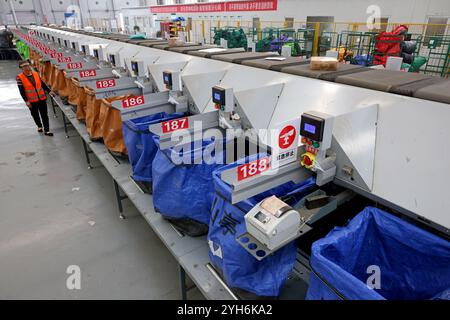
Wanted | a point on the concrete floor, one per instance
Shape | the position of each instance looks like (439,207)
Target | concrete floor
(55,213)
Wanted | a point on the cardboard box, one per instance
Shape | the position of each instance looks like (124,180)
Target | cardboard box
(324,63)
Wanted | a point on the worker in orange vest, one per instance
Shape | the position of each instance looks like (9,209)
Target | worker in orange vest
(32,91)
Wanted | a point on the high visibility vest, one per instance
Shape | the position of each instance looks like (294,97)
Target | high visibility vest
(33,93)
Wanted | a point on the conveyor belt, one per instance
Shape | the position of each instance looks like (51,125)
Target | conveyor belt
(411,88)
(153,44)
(166,46)
(143,41)
(205,54)
(381,80)
(189,48)
(439,92)
(239,57)
(305,71)
(275,65)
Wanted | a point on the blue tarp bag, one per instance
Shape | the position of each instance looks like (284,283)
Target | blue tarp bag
(363,60)
(413,263)
(240,269)
(140,144)
(183,189)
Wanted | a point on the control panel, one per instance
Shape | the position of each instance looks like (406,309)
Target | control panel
(316,134)
(172,80)
(137,68)
(112,59)
(223,98)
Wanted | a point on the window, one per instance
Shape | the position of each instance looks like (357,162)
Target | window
(326,23)
(436,27)
(288,22)
(383,24)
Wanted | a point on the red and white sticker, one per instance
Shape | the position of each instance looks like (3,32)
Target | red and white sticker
(74,65)
(65,59)
(133,102)
(286,148)
(287,137)
(253,168)
(174,125)
(88,73)
(102,84)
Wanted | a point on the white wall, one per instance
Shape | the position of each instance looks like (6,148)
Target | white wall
(39,11)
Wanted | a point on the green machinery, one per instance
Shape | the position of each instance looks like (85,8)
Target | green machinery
(236,37)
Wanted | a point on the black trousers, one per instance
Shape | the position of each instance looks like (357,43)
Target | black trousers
(39,111)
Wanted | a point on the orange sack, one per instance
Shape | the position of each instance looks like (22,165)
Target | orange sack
(92,114)
(64,89)
(72,97)
(54,76)
(46,71)
(111,126)
(79,99)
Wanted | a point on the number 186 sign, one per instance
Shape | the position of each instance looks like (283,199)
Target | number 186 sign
(133,102)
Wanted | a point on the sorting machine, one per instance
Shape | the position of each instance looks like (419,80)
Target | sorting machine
(389,148)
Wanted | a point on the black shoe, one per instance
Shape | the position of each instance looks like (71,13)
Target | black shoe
(40,130)
(49,134)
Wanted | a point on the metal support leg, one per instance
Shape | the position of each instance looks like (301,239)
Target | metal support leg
(183,287)
(119,198)
(53,107)
(65,124)
(87,152)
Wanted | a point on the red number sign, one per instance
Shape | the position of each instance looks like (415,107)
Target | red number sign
(102,84)
(133,102)
(56,55)
(88,73)
(174,125)
(75,65)
(253,168)
(64,59)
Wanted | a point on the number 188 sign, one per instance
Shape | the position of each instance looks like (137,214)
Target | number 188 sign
(253,168)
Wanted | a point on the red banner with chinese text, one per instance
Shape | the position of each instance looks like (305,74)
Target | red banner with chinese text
(232,6)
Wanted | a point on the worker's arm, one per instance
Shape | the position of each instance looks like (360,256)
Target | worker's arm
(46,88)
